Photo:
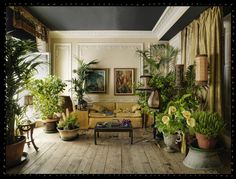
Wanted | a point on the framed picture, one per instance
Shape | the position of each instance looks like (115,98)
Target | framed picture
(97,80)
(123,81)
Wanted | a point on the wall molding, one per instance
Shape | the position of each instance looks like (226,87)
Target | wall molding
(81,45)
(102,34)
(169,17)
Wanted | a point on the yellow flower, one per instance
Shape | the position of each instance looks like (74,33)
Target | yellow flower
(191,122)
(172,110)
(165,119)
(186,114)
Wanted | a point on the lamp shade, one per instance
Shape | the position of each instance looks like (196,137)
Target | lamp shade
(28,100)
(201,69)
(179,75)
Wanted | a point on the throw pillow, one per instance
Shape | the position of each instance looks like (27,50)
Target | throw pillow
(136,107)
(98,108)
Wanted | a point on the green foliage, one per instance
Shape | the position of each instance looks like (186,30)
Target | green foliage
(178,111)
(82,73)
(166,86)
(208,123)
(199,93)
(69,123)
(19,68)
(158,55)
(46,95)
(171,127)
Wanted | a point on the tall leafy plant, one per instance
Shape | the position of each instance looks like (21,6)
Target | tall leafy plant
(19,68)
(159,55)
(46,93)
(81,76)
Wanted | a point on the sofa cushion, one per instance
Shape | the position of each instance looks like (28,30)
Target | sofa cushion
(125,106)
(105,105)
(98,108)
(97,114)
(128,114)
(135,107)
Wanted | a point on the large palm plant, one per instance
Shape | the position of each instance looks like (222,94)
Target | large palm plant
(19,68)
(81,76)
(159,55)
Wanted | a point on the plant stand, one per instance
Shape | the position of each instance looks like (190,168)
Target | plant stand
(202,158)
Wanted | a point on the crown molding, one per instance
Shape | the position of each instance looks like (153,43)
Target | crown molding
(169,17)
(102,34)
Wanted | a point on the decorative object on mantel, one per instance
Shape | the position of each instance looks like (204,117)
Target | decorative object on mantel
(179,75)
(201,69)
(22,19)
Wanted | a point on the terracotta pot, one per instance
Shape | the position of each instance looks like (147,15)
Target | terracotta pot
(204,142)
(14,152)
(50,125)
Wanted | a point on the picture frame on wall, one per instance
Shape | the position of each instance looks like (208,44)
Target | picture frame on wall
(123,81)
(97,81)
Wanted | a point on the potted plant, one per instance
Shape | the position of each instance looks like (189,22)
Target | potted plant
(68,127)
(207,127)
(79,82)
(19,68)
(46,99)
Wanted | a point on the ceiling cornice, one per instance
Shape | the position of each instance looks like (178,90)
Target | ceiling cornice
(169,17)
(102,34)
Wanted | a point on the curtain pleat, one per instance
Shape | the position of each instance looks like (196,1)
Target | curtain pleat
(203,36)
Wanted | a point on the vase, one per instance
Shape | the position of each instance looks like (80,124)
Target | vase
(154,99)
(171,142)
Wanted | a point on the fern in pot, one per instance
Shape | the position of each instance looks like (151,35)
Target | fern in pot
(68,127)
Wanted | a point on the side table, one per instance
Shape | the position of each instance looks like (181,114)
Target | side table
(28,128)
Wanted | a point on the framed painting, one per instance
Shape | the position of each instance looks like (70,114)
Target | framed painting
(123,81)
(97,80)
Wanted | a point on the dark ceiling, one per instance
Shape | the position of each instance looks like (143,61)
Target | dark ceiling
(110,18)
(97,18)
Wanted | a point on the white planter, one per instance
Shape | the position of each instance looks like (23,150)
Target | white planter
(170,141)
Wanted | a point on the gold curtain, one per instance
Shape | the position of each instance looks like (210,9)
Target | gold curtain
(204,36)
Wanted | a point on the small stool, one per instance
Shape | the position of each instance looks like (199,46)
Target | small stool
(28,128)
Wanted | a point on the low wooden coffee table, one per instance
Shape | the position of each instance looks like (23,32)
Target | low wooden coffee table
(98,129)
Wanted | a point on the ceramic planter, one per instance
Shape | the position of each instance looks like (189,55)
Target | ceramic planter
(68,134)
(198,158)
(170,141)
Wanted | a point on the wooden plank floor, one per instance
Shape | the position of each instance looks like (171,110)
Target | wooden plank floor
(113,155)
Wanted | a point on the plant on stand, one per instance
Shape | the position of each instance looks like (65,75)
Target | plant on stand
(79,82)
(19,68)
(46,99)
